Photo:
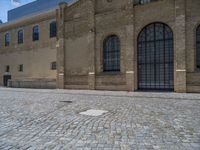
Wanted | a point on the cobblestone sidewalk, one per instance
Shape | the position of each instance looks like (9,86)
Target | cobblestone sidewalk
(44,119)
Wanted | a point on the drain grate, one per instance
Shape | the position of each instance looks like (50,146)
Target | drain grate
(69,102)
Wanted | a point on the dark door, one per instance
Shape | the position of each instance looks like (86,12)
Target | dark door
(155,58)
(5,79)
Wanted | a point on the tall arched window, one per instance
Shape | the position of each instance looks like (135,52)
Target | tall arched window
(111,54)
(198,48)
(53,29)
(20,36)
(156,58)
(7,39)
(35,33)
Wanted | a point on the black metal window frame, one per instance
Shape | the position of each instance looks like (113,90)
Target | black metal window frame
(20,36)
(7,39)
(198,47)
(21,68)
(53,29)
(36,33)
(156,58)
(111,54)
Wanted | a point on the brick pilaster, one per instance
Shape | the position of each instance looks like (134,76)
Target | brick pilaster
(180,46)
(60,16)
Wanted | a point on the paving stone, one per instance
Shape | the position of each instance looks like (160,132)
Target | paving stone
(39,119)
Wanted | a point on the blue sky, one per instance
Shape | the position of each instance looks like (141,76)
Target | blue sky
(6,5)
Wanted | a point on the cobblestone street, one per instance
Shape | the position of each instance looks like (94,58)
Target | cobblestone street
(45,119)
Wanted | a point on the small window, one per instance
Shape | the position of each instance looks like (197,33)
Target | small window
(145,1)
(7,69)
(198,48)
(7,39)
(20,37)
(53,29)
(35,33)
(111,54)
(53,65)
(21,68)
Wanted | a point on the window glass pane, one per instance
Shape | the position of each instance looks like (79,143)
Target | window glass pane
(112,54)
(53,65)
(144,1)
(7,39)
(35,33)
(155,57)
(53,29)
(20,37)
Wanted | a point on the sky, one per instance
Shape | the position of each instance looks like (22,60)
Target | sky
(6,5)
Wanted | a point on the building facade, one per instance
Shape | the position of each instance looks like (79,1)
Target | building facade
(107,45)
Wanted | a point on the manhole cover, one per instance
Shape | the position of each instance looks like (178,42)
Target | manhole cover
(93,112)
(66,101)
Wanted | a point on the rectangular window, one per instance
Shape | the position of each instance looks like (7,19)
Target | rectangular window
(7,39)
(53,29)
(53,65)
(35,33)
(20,37)
(7,69)
(145,1)
(21,68)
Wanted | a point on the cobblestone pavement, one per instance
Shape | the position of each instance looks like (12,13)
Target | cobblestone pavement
(42,119)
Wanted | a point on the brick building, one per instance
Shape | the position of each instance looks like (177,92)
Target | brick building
(105,45)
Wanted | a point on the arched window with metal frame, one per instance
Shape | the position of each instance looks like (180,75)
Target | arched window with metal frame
(156,57)
(111,54)
(198,47)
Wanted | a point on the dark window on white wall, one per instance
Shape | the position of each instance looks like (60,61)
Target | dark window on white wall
(35,33)
(20,37)
(53,29)
(53,65)
(111,54)
(21,68)
(198,47)
(7,39)
(7,69)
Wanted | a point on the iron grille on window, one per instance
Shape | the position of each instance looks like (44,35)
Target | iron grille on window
(20,36)
(35,33)
(7,39)
(111,54)
(198,48)
(53,29)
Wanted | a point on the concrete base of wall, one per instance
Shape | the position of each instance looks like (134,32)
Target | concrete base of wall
(39,84)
